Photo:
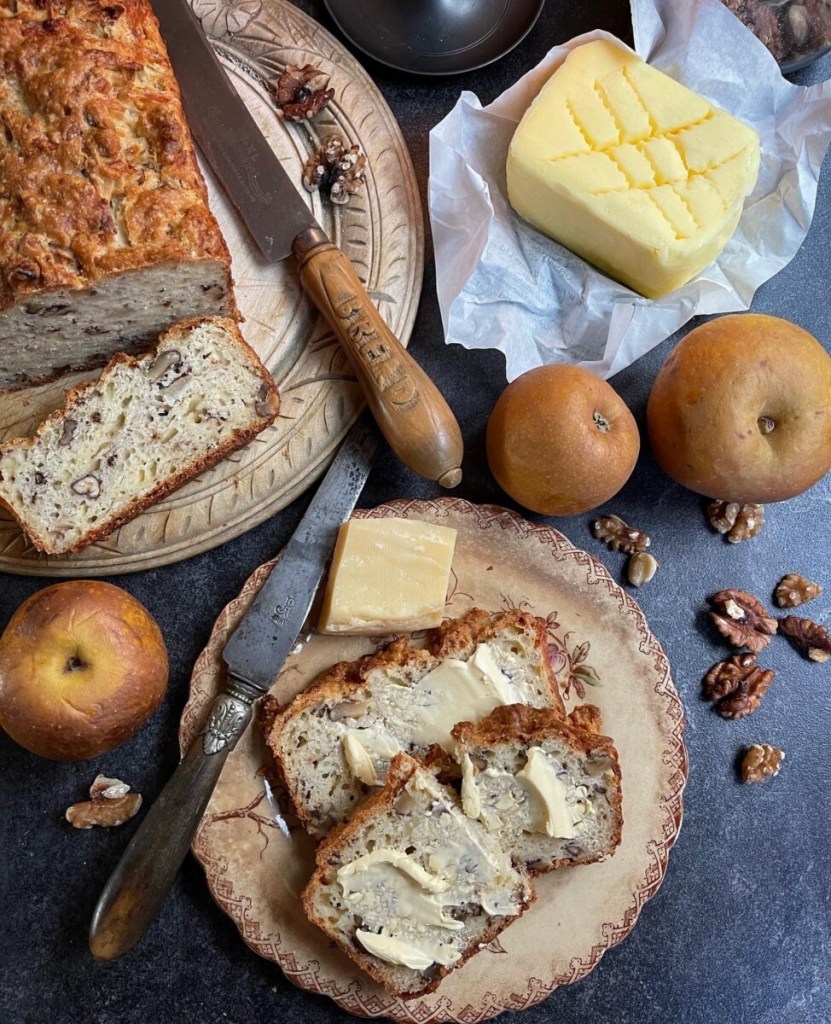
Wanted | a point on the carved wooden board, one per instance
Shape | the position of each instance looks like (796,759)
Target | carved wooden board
(380,229)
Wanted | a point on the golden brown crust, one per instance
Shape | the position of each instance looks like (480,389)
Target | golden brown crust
(188,472)
(525,725)
(586,717)
(97,162)
(402,768)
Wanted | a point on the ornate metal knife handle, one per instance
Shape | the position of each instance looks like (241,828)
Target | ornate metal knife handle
(229,717)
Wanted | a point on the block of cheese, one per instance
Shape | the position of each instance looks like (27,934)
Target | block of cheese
(631,170)
(387,575)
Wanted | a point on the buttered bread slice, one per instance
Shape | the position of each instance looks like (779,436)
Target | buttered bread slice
(631,170)
(334,742)
(410,888)
(547,788)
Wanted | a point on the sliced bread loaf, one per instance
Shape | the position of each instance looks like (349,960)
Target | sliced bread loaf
(547,789)
(410,888)
(145,427)
(333,743)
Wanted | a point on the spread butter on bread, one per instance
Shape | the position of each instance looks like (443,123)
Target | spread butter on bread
(333,743)
(410,888)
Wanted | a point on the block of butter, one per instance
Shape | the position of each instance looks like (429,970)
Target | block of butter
(387,575)
(631,170)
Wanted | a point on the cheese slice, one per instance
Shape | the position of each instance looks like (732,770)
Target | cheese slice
(631,170)
(387,575)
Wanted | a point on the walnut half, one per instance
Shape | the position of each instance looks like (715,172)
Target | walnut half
(809,637)
(619,535)
(736,521)
(111,803)
(793,590)
(737,685)
(742,620)
(301,93)
(762,761)
(335,170)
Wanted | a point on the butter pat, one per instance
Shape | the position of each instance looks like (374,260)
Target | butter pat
(387,575)
(548,792)
(631,170)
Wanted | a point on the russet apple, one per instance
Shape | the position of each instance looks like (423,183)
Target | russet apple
(561,441)
(741,410)
(82,666)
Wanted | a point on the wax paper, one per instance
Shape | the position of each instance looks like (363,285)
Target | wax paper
(501,284)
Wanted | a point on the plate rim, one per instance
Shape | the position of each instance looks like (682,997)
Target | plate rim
(659,847)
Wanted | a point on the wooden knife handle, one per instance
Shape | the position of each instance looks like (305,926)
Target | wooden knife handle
(408,407)
(142,878)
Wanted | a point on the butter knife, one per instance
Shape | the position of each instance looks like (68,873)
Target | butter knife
(408,407)
(254,654)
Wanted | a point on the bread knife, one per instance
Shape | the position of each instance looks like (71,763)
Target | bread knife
(254,655)
(408,407)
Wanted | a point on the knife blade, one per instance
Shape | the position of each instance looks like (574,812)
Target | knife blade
(253,654)
(410,410)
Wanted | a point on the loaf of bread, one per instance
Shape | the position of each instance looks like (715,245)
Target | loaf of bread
(146,426)
(105,233)
(546,788)
(333,743)
(410,888)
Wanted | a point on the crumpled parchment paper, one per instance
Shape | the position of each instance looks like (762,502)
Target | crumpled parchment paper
(502,284)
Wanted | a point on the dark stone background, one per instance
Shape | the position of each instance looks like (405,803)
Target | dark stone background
(739,933)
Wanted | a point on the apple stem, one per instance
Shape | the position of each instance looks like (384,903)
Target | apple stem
(601,422)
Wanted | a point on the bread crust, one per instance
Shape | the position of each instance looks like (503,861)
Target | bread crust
(270,400)
(402,768)
(98,168)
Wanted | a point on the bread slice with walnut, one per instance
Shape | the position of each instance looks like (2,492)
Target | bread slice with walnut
(549,790)
(333,743)
(124,441)
(410,888)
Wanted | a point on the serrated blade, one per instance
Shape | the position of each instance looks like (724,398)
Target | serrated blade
(262,191)
(263,640)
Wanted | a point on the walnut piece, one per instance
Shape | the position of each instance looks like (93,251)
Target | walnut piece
(793,590)
(762,761)
(301,93)
(737,685)
(335,170)
(736,521)
(809,637)
(619,536)
(68,432)
(641,568)
(88,486)
(742,620)
(111,803)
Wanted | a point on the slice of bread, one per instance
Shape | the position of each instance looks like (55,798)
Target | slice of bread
(410,888)
(547,789)
(333,743)
(145,427)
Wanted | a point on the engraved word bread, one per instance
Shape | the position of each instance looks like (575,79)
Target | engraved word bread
(145,427)
(410,888)
(105,233)
(631,170)
(334,742)
(548,789)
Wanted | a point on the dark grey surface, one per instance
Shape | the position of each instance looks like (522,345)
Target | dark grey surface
(739,933)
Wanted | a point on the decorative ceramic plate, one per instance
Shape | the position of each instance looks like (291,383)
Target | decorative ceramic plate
(257,859)
(380,229)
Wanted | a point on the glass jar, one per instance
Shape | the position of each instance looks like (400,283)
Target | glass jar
(795,31)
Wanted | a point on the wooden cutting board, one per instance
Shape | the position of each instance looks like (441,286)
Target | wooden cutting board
(380,229)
